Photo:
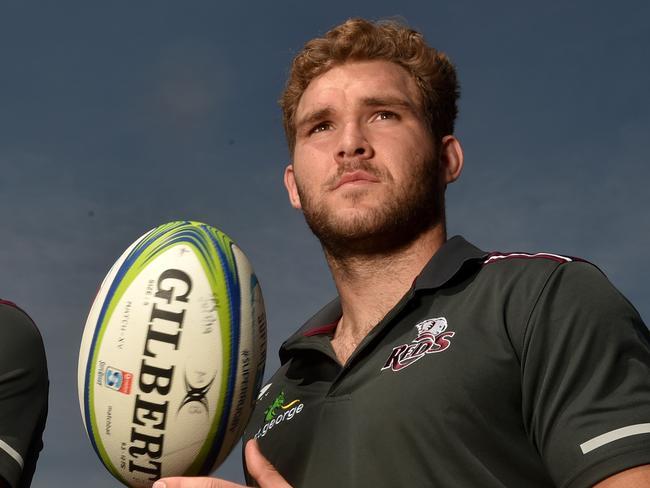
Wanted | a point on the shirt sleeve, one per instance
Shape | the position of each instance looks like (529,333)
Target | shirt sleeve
(586,378)
(23,395)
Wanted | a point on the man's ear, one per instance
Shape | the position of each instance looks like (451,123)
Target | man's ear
(290,185)
(451,159)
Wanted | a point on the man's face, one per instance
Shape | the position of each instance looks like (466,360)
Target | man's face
(364,171)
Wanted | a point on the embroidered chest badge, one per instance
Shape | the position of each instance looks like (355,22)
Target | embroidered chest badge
(432,337)
(279,411)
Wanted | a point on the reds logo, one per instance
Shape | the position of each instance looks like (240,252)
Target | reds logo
(431,338)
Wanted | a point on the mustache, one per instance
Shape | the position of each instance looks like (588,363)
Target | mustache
(351,166)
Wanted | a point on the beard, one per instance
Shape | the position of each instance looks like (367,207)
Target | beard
(413,208)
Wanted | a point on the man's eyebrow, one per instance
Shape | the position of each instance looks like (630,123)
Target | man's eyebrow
(388,101)
(314,116)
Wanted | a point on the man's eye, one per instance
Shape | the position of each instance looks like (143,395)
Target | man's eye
(323,126)
(386,115)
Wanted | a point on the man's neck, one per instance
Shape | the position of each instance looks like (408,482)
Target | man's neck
(369,286)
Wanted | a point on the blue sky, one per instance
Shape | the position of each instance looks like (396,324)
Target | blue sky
(119,116)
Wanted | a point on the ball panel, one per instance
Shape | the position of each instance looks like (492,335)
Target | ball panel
(229,301)
(160,358)
(130,263)
(248,360)
(92,334)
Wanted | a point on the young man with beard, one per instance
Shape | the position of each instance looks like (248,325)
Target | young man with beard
(438,364)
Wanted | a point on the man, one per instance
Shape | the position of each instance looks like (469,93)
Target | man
(438,364)
(23,396)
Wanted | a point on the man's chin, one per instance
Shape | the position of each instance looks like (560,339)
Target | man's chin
(356,237)
(357,194)
(374,224)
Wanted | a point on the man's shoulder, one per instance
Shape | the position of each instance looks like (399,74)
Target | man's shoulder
(11,313)
(536,267)
(458,259)
(20,339)
(525,280)
(13,318)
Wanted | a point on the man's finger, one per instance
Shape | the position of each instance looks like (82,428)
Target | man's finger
(194,482)
(261,469)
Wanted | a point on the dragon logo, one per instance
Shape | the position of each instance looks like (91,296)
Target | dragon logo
(270,413)
(432,337)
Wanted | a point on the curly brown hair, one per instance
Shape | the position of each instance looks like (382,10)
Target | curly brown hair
(388,40)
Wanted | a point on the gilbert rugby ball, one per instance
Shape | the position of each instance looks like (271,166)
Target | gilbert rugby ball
(172,355)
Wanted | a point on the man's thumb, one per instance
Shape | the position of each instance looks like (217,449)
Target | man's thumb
(261,469)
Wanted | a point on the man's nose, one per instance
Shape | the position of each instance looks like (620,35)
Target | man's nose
(353,144)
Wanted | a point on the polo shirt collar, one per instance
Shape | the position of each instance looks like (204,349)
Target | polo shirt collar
(447,263)
(454,255)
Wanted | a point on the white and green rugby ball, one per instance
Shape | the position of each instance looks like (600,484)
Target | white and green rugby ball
(172,355)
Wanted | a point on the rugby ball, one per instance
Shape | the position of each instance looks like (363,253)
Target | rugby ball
(172,355)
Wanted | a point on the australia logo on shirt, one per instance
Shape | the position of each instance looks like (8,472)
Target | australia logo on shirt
(432,337)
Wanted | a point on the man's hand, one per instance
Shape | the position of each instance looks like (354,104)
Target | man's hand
(258,466)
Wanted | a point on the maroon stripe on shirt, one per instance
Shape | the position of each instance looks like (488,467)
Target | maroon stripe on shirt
(494,257)
(323,329)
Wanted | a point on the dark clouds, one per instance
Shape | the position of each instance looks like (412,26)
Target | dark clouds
(119,117)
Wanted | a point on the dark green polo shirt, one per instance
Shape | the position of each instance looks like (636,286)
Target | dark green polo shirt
(23,395)
(494,370)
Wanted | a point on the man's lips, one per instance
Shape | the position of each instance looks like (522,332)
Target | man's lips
(354,177)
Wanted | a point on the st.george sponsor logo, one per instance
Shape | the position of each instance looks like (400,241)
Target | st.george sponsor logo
(432,338)
(278,412)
